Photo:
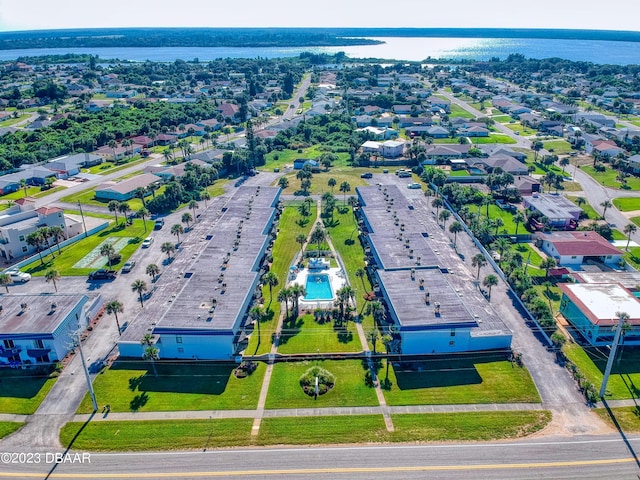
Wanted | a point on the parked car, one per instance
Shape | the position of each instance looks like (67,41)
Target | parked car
(367,175)
(17,276)
(128,266)
(146,243)
(159,224)
(414,186)
(103,274)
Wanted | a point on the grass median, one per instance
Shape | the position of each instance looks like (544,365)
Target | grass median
(367,429)
(7,428)
(22,391)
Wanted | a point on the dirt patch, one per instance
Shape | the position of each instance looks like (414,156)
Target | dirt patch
(574,420)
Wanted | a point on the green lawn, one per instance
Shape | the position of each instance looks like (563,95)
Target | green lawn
(22,391)
(284,250)
(628,418)
(7,428)
(460,112)
(493,138)
(558,147)
(367,429)
(625,204)
(12,121)
(608,178)
(132,386)
(344,236)
(589,211)
(35,192)
(502,118)
(319,182)
(625,374)
(64,261)
(518,127)
(156,435)
(88,197)
(633,255)
(305,335)
(458,380)
(279,159)
(350,388)
(509,226)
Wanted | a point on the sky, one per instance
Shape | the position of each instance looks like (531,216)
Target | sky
(59,14)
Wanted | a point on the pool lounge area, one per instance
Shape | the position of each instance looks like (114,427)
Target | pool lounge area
(320,282)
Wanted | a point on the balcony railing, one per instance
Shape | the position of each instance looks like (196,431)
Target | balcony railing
(10,352)
(37,352)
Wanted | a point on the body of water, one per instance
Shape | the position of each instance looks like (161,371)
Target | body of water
(399,48)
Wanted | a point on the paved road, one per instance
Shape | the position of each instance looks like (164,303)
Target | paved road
(582,457)
(521,142)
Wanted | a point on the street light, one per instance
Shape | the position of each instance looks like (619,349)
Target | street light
(83,223)
(92,394)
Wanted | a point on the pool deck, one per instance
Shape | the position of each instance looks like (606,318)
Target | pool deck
(336,281)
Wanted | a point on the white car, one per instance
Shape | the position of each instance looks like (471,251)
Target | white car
(146,243)
(414,186)
(18,277)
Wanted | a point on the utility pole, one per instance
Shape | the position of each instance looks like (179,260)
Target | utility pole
(86,374)
(82,215)
(612,354)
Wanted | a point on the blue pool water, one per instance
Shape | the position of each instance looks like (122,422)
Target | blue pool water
(318,288)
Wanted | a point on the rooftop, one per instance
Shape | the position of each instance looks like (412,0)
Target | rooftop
(580,243)
(211,267)
(600,301)
(553,206)
(39,317)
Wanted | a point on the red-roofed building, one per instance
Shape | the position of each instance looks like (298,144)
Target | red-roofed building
(576,247)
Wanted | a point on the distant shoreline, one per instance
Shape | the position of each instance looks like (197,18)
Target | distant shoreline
(275,37)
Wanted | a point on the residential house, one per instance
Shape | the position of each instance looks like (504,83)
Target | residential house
(526,184)
(41,328)
(440,103)
(557,209)
(17,222)
(125,189)
(167,172)
(442,153)
(371,147)
(437,131)
(591,309)
(576,248)
(70,165)
(393,148)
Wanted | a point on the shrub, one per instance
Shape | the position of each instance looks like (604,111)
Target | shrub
(326,381)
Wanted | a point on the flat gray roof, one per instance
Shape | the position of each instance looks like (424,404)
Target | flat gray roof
(39,317)
(380,205)
(182,300)
(553,206)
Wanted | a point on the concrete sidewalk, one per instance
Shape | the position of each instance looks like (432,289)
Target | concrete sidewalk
(311,412)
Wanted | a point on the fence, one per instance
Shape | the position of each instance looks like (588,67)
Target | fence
(495,266)
(68,241)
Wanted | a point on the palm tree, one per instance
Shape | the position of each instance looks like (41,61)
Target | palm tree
(345,188)
(114,307)
(283,296)
(5,280)
(490,281)
(547,264)
(36,239)
(205,195)
(153,271)
(187,218)
(444,216)
(113,207)
(628,230)
(176,230)
(437,204)
(23,186)
(518,218)
(150,351)
(123,207)
(301,239)
(606,204)
(112,144)
(360,274)
(56,232)
(455,228)
(479,261)
(139,286)
(296,291)
(344,295)
(143,213)
(332,183)
(140,193)
(497,223)
(52,276)
(318,236)
(168,248)
(256,314)
(271,279)
(502,245)
(283,182)
(193,205)
(108,251)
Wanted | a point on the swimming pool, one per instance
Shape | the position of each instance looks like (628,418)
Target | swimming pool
(318,288)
